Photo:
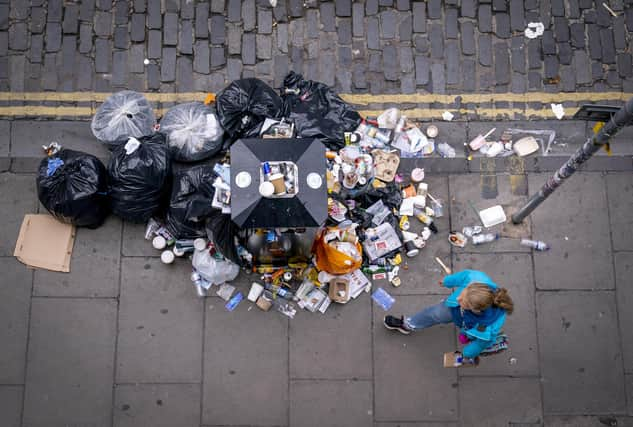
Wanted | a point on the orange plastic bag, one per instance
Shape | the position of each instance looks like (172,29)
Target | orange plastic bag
(330,259)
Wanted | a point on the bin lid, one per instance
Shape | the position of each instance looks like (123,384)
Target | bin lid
(308,208)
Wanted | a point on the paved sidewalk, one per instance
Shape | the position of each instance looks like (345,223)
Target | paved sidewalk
(122,340)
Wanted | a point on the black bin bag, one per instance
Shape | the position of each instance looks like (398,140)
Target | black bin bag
(193,132)
(72,186)
(317,111)
(139,178)
(190,205)
(224,233)
(243,106)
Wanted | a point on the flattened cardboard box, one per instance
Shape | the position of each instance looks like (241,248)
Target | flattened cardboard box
(44,242)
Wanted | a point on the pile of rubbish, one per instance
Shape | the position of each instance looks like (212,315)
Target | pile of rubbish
(175,177)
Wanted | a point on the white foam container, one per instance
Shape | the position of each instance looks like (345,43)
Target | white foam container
(492,216)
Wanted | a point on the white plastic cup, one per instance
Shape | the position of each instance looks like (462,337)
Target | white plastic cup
(200,244)
(167,257)
(159,242)
(266,189)
(255,292)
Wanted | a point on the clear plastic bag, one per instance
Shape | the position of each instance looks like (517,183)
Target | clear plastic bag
(216,271)
(193,131)
(124,114)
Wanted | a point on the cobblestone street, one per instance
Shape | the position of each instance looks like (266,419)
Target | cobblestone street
(123,340)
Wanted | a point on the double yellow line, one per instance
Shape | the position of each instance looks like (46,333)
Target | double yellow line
(482,105)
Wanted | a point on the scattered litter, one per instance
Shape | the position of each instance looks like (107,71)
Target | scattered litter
(234,301)
(525,146)
(445,150)
(44,242)
(225,291)
(448,116)
(457,239)
(383,299)
(611,11)
(444,267)
(480,140)
(492,216)
(534,29)
(558,110)
(535,244)
(480,239)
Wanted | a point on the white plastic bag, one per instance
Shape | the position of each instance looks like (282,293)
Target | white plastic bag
(193,131)
(123,115)
(216,271)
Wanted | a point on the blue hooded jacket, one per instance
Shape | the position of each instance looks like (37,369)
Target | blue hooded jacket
(484,333)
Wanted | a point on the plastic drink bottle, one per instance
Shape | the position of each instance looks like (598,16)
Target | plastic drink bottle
(535,244)
(484,238)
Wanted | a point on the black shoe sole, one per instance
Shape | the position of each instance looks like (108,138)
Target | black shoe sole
(395,328)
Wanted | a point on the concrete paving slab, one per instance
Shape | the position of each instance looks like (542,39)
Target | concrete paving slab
(18,196)
(134,243)
(581,363)
(245,364)
(157,405)
(587,421)
(160,323)
(573,221)
(513,272)
(70,362)
(5,138)
(322,403)
(485,191)
(332,345)
(500,401)
(624,297)
(15,300)
(620,197)
(10,405)
(28,136)
(94,265)
(628,379)
(417,424)
(427,391)
(423,271)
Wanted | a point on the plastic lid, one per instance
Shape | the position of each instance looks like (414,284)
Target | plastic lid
(314,180)
(167,257)
(243,179)
(159,242)
(266,189)
(200,244)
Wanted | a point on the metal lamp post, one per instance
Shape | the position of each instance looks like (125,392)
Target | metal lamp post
(623,117)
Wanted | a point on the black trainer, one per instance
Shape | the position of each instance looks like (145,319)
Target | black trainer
(397,324)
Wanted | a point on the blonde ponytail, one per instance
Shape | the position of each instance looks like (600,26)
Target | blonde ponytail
(502,300)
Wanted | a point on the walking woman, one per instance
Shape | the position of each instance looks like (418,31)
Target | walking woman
(477,306)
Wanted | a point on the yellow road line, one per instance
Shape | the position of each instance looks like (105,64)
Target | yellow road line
(414,113)
(357,99)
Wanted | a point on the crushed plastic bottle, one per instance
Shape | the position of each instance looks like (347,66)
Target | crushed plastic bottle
(484,238)
(445,150)
(535,244)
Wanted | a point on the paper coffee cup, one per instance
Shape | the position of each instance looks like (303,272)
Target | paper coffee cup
(278,182)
